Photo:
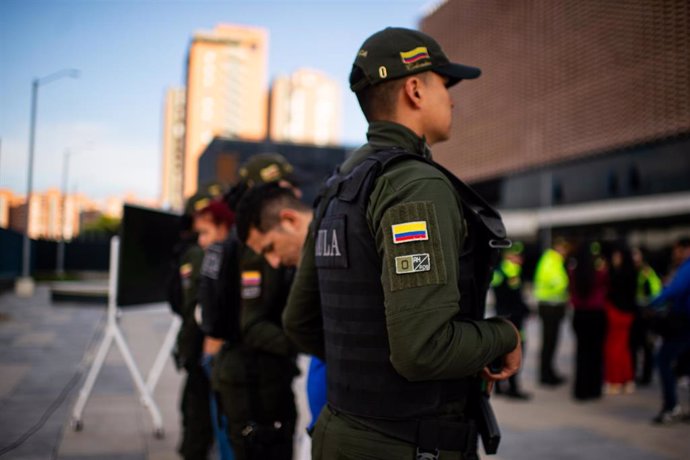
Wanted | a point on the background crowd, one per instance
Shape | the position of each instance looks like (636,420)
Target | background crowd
(627,320)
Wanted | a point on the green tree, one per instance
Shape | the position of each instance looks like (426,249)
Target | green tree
(104,226)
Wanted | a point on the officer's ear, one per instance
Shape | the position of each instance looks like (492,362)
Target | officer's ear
(288,218)
(414,90)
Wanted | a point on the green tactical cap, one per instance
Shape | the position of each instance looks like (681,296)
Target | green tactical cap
(203,198)
(395,52)
(263,168)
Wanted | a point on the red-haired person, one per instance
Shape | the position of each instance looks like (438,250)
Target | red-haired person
(213,224)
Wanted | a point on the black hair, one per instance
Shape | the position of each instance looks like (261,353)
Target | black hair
(623,279)
(683,242)
(584,271)
(233,196)
(260,208)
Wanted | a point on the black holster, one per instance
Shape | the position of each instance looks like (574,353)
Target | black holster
(480,410)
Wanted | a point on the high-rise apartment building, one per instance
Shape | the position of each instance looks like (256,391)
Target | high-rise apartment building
(52,215)
(45,215)
(173,149)
(6,202)
(226,91)
(305,108)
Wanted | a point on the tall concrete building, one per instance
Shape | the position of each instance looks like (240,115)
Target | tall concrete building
(580,121)
(173,149)
(45,214)
(6,201)
(306,108)
(226,91)
(52,214)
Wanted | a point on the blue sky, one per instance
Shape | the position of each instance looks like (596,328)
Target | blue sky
(129,52)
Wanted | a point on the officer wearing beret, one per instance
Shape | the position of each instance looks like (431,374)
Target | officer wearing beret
(391,286)
(253,374)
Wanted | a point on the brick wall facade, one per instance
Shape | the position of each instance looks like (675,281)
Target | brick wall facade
(562,79)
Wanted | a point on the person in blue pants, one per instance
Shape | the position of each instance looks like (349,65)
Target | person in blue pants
(675,333)
(316,389)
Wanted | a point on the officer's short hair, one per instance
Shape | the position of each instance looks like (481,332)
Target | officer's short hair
(378,102)
(260,208)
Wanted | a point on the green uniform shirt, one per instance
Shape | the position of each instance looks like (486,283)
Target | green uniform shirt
(189,337)
(190,267)
(254,377)
(426,341)
(264,290)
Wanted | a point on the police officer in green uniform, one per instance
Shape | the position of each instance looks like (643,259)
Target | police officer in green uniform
(391,283)
(197,432)
(641,339)
(254,376)
(506,284)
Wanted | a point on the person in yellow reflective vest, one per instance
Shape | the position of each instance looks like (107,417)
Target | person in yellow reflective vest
(551,292)
(641,339)
(510,304)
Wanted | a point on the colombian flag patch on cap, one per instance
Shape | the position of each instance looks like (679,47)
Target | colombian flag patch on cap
(410,231)
(412,56)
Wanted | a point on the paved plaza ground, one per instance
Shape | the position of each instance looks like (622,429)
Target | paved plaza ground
(45,350)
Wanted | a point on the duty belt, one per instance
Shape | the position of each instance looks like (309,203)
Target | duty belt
(429,434)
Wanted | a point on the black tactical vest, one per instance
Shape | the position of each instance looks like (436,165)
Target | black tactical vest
(361,378)
(219,290)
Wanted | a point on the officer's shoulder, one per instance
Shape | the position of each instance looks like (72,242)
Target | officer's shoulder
(409,170)
(214,247)
(250,259)
(193,252)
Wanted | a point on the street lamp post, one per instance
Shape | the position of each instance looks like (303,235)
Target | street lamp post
(61,242)
(25,285)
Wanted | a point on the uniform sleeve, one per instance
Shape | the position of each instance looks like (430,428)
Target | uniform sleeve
(419,233)
(677,291)
(262,303)
(190,267)
(302,316)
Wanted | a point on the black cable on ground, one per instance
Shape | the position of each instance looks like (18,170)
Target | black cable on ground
(69,386)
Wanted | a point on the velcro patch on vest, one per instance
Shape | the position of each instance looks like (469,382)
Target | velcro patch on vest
(213,258)
(331,243)
(251,284)
(419,261)
(412,264)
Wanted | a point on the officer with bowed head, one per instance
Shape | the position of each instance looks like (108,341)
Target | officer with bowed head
(253,370)
(396,263)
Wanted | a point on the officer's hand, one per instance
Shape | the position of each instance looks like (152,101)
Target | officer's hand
(511,362)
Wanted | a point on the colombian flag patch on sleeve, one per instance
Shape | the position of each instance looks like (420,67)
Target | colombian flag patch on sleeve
(410,231)
(251,278)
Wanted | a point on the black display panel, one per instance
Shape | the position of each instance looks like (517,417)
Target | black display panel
(147,238)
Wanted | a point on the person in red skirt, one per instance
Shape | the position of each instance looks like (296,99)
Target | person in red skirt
(620,313)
